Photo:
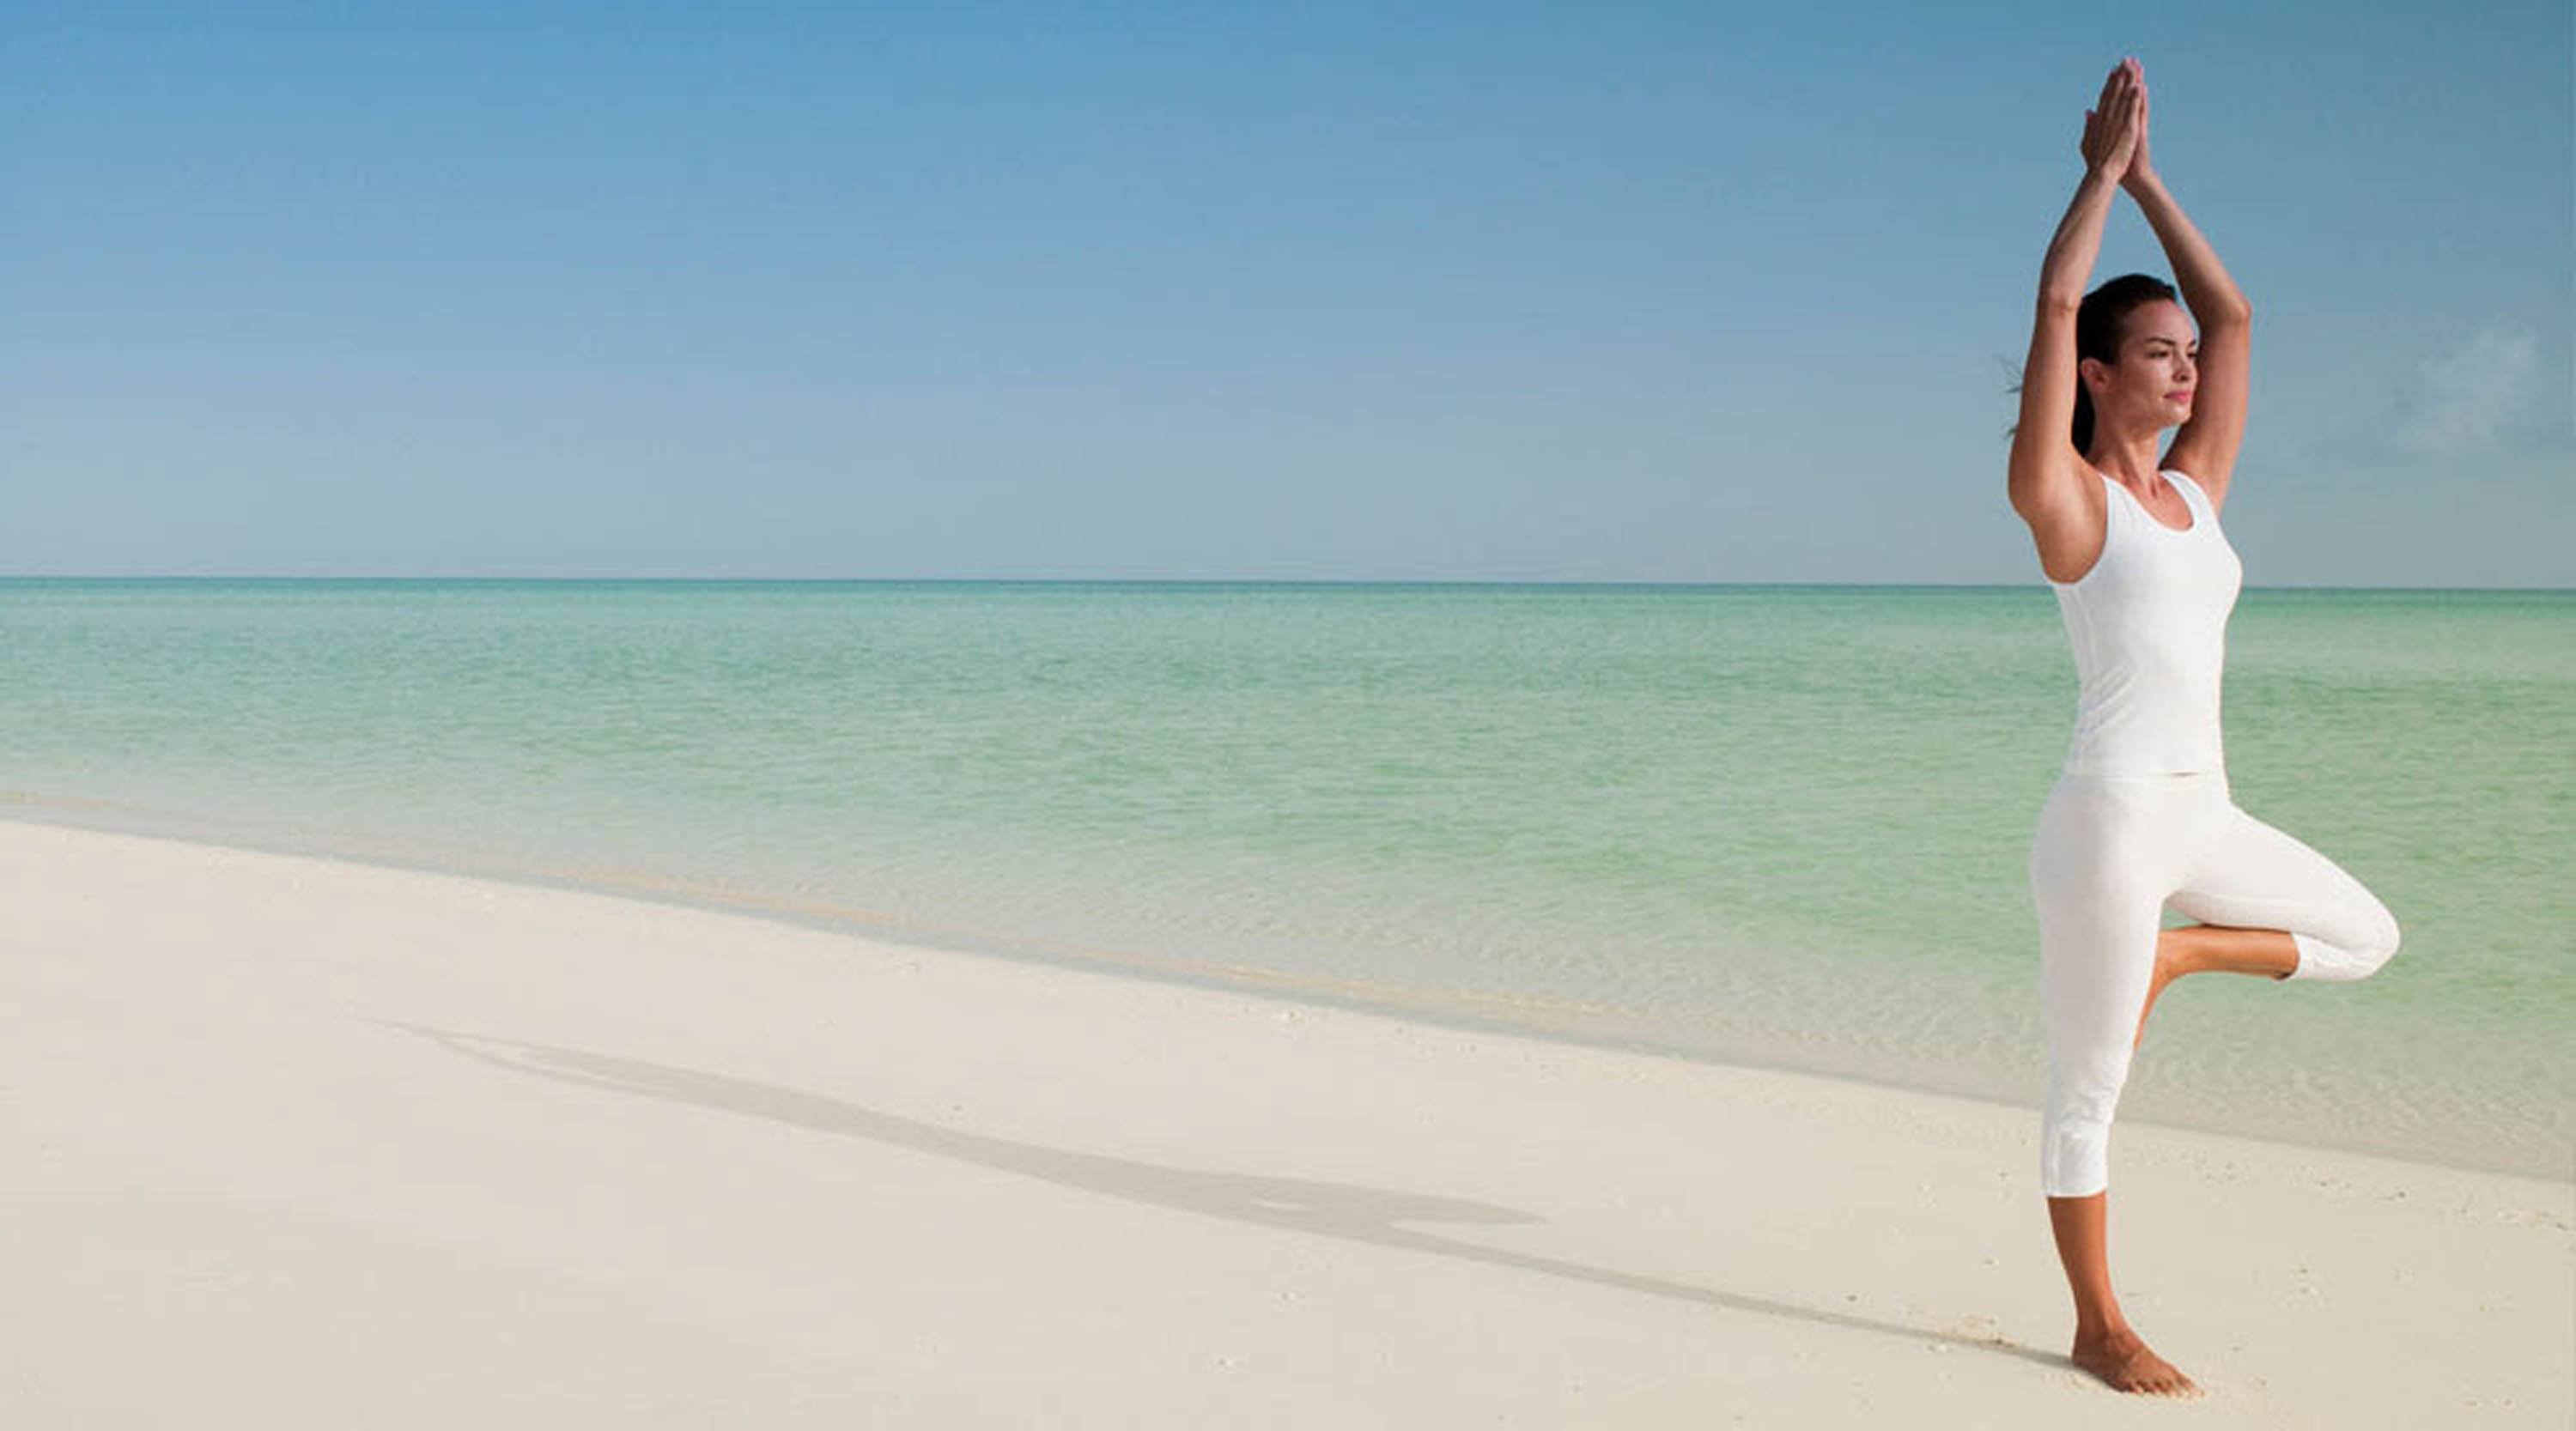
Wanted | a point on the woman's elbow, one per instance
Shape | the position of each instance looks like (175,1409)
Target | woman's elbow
(2230,309)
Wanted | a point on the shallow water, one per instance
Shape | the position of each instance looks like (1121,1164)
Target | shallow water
(1780,825)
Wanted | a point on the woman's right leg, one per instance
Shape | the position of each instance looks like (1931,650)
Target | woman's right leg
(2098,876)
(2105,1344)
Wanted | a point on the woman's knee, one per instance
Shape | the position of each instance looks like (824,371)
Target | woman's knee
(2356,952)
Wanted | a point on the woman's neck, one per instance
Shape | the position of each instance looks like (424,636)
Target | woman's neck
(2130,461)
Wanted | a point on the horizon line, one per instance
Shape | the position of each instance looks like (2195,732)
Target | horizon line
(1176,581)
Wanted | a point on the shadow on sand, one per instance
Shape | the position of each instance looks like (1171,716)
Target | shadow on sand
(1373,1216)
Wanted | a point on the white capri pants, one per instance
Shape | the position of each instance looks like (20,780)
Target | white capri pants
(2112,852)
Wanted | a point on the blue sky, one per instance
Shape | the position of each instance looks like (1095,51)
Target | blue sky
(1447,292)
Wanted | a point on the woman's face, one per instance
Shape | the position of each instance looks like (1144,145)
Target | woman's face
(2157,370)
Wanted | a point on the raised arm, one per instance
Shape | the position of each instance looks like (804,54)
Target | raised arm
(2204,447)
(2050,485)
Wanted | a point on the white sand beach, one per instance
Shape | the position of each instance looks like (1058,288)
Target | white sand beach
(297,1143)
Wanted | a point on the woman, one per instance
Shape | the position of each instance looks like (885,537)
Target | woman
(2141,820)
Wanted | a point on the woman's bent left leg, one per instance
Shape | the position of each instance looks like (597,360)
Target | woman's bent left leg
(2255,877)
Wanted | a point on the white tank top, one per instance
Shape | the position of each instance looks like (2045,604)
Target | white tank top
(2149,628)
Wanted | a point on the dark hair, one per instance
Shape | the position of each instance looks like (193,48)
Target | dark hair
(2098,321)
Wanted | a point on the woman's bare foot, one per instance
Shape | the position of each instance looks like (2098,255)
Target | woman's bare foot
(2171,964)
(2211,948)
(2124,1363)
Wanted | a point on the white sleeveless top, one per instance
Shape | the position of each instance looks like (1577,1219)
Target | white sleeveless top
(2149,628)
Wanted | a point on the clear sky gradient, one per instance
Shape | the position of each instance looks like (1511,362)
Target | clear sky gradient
(1607,292)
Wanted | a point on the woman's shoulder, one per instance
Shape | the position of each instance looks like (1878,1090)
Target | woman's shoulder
(2194,491)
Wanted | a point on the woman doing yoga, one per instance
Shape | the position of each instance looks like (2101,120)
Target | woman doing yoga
(2141,820)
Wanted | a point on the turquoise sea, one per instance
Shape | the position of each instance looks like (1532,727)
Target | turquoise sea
(1783,826)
